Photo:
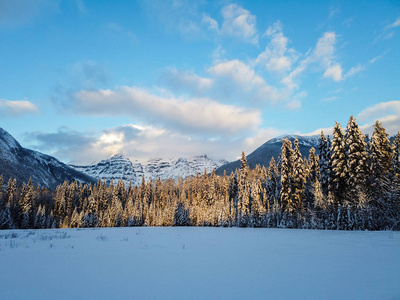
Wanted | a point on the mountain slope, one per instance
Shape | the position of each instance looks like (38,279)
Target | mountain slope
(272,148)
(118,167)
(21,163)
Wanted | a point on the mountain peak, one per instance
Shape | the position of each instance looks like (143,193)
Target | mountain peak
(119,167)
(7,141)
(22,164)
(118,157)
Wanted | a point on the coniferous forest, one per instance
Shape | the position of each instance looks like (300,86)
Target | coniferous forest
(352,184)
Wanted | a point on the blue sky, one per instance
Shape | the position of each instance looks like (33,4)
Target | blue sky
(83,80)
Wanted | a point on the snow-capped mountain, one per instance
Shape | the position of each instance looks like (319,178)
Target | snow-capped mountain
(21,163)
(272,148)
(118,167)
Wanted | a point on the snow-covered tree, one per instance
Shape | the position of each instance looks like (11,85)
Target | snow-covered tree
(357,161)
(299,178)
(338,188)
(287,177)
(324,162)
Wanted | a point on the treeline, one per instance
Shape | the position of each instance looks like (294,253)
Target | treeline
(353,184)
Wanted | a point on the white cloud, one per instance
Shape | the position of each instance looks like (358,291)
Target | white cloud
(181,16)
(263,135)
(354,70)
(329,99)
(334,72)
(277,57)
(294,104)
(239,22)
(326,130)
(325,49)
(212,24)
(322,55)
(187,81)
(141,142)
(245,78)
(386,112)
(196,114)
(379,110)
(17,107)
(396,23)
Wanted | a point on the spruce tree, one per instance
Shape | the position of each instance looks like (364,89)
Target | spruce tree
(357,161)
(381,156)
(299,178)
(287,177)
(243,161)
(338,162)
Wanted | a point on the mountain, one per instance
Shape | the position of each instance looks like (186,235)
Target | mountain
(118,167)
(272,148)
(21,163)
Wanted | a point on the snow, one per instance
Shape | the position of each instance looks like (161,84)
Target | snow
(310,141)
(118,167)
(198,263)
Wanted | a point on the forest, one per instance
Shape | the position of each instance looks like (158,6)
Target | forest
(352,184)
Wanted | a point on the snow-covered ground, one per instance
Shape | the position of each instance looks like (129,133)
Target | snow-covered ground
(198,263)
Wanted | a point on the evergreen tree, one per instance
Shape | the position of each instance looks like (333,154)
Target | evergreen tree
(338,162)
(26,206)
(381,154)
(243,161)
(357,161)
(287,177)
(299,178)
(258,211)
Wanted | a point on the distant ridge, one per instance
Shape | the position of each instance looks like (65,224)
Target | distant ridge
(120,167)
(21,163)
(272,148)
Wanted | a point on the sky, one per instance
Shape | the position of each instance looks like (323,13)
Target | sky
(83,80)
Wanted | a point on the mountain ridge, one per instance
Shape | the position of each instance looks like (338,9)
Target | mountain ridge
(272,148)
(22,163)
(120,167)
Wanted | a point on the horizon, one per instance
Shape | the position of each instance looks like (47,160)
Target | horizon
(84,80)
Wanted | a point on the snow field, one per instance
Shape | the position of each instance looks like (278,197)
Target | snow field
(198,263)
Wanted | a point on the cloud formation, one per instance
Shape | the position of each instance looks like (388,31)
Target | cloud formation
(17,107)
(323,55)
(277,57)
(239,22)
(245,78)
(192,115)
(386,112)
(186,81)
(141,143)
